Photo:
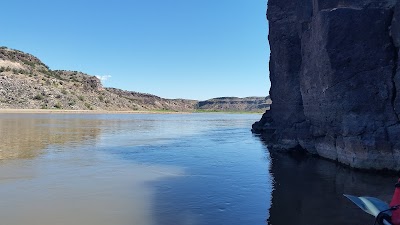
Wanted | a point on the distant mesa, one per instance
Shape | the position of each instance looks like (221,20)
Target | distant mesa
(27,83)
(249,104)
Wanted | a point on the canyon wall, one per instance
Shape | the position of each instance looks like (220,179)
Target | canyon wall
(27,83)
(335,80)
(234,104)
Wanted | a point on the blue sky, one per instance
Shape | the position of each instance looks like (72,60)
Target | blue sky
(196,49)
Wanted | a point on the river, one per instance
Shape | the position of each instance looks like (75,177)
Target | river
(172,169)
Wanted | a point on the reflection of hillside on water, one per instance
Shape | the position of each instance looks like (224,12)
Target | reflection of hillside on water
(28,137)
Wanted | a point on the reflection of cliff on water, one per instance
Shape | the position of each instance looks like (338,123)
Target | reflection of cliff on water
(27,137)
(308,190)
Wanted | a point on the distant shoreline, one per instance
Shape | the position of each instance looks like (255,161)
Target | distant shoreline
(64,111)
(78,111)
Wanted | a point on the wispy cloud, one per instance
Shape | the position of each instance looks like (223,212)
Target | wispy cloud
(104,78)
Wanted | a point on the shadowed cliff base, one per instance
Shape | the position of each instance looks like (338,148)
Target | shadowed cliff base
(334,80)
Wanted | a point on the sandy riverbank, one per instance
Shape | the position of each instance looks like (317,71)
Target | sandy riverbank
(62,111)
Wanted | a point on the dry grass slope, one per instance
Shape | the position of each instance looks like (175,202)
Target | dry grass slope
(28,83)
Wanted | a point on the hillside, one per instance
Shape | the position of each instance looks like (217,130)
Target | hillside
(249,104)
(27,83)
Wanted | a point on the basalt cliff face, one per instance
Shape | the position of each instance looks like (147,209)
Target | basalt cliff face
(335,81)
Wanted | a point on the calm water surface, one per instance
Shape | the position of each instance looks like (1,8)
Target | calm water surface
(132,169)
(190,169)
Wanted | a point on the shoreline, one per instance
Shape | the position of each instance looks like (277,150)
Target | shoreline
(81,111)
(68,111)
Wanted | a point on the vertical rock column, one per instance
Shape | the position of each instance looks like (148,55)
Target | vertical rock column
(286,116)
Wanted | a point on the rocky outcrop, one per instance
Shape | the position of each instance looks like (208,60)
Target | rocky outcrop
(89,82)
(27,83)
(233,104)
(335,81)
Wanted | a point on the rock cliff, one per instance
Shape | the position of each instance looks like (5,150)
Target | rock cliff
(335,81)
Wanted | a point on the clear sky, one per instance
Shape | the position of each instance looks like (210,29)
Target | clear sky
(196,49)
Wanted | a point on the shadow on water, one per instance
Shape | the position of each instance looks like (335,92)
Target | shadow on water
(309,190)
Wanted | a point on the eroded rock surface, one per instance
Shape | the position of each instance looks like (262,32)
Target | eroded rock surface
(335,80)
